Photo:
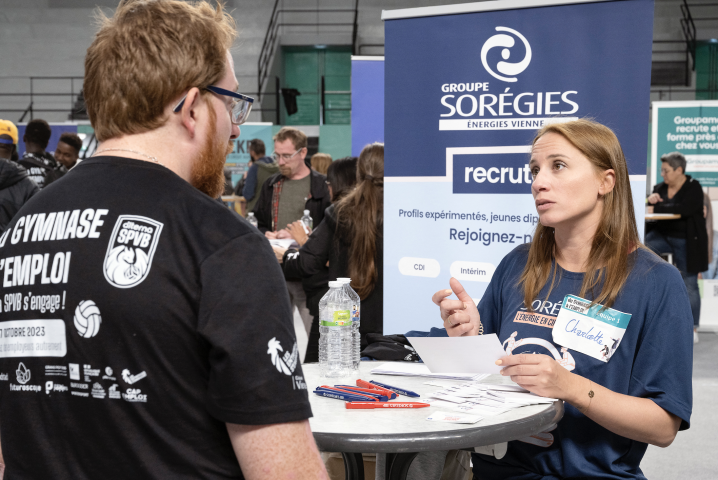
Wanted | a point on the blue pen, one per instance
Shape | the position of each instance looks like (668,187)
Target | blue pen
(400,391)
(378,396)
(340,396)
(325,388)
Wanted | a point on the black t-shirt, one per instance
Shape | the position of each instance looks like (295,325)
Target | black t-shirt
(138,316)
(42,168)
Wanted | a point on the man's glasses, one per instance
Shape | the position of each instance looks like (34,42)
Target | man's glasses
(241,104)
(284,156)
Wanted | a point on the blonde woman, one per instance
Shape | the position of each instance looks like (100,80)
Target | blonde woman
(586,245)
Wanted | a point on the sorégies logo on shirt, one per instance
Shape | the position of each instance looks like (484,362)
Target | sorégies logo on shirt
(131,248)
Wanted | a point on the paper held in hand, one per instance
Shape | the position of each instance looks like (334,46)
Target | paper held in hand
(476,354)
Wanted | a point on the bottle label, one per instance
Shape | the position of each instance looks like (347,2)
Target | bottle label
(341,318)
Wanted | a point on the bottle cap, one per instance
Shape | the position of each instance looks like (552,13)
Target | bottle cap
(306,212)
(334,284)
(344,280)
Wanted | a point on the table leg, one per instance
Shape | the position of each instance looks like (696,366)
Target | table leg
(353,466)
(397,465)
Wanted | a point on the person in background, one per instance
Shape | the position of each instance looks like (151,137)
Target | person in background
(341,179)
(587,245)
(68,150)
(40,165)
(687,237)
(351,239)
(16,188)
(9,128)
(320,162)
(184,336)
(260,169)
(285,195)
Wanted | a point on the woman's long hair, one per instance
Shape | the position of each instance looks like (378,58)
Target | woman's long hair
(616,235)
(360,216)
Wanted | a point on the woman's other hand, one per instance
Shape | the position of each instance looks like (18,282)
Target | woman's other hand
(461,317)
(542,375)
(654,198)
(279,252)
(296,230)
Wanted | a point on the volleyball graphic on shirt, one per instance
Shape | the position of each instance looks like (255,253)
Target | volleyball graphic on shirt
(129,254)
(87,319)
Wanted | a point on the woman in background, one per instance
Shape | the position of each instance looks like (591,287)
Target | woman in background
(350,239)
(320,162)
(687,237)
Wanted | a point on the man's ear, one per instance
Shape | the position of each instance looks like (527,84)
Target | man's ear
(190,110)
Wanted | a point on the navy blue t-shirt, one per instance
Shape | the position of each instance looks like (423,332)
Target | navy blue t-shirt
(654,360)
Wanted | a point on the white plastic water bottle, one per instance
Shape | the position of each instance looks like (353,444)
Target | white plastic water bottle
(356,321)
(335,329)
(307,220)
(252,219)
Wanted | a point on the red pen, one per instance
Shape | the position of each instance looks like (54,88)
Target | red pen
(365,405)
(365,384)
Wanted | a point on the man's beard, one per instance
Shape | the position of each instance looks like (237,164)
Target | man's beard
(208,168)
(285,170)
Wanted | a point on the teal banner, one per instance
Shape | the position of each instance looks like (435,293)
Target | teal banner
(239,158)
(692,129)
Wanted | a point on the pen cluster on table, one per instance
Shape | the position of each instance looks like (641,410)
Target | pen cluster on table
(369,395)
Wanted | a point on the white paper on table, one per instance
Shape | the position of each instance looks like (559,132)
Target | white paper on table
(436,383)
(447,398)
(503,388)
(411,369)
(283,242)
(476,354)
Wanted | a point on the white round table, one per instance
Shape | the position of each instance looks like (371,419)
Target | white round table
(402,433)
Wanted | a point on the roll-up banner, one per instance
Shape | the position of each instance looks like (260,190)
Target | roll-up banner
(692,129)
(466,88)
(367,102)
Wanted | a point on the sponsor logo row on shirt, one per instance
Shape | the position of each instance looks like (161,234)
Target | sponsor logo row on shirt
(80,385)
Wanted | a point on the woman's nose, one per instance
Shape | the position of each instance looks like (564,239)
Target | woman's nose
(540,182)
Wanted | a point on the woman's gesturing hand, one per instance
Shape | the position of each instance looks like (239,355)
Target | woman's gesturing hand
(654,198)
(461,317)
(542,375)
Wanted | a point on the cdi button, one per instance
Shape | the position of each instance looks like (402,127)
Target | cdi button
(419,267)
(472,271)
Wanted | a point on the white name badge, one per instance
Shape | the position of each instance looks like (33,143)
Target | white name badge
(33,338)
(588,330)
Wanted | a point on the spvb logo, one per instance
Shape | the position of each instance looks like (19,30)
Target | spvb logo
(130,251)
(286,363)
(505,41)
